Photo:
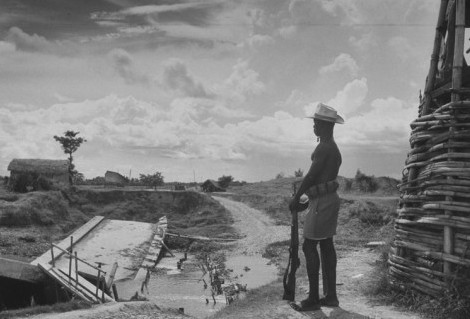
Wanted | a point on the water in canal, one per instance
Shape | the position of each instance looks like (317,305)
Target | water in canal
(172,288)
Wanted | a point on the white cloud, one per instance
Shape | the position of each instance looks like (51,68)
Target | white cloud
(61,98)
(364,42)
(6,47)
(123,64)
(150,9)
(381,128)
(383,12)
(26,42)
(341,62)
(258,18)
(287,31)
(403,48)
(36,43)
(142,10)
(258,40)
(352,97)
(221,110)
(346,101)
(242,83)
(177,77)
(300,9)
(113,124)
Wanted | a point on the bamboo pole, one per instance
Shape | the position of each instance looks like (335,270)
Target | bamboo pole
(70,258)
(456,84)
(440,29)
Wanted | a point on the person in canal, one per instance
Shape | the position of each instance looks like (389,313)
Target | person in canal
(320,185)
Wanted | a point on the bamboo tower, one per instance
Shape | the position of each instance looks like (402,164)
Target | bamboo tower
(431,248)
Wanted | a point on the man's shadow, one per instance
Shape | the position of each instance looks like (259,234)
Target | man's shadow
(335,313)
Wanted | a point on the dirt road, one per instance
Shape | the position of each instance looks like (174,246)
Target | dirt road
(258,229)
(353,269)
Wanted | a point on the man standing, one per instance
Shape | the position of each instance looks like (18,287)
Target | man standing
(320,186)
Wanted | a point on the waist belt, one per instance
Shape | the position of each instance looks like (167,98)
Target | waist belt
(322,189)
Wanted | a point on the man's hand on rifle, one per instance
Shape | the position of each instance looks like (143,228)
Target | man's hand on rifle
(296,206)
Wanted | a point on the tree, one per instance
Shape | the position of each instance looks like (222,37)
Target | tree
(70,144)
(224,181)
(299,173)
(365,183)
(152,180)
(79,179)
(280,175)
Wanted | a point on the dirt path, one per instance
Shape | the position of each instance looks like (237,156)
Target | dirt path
(353,269)
(258,229)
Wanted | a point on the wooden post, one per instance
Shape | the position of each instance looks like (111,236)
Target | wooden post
(458,49)
(52,254)
(434,57)
(76,269)
(110,281)
(70,258)
(98,282)
(102,284)
(457,66)
(430,80)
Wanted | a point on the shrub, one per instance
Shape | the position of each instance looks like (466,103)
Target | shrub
(15,217)
(370,213)
(225,181)
(299,173)
(365,183)
(280,175)
(9,197)
(21,183)
(44,184)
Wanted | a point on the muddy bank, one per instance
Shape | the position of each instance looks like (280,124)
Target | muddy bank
(28,222)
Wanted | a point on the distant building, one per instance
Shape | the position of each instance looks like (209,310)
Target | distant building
(32,169)
(212,186)
(179,187)
(113,178)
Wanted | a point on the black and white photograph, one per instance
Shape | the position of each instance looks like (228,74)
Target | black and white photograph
(235,159)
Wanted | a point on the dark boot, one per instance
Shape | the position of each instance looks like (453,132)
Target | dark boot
(313,301)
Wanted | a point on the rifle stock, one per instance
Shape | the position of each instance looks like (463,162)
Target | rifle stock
(294,261)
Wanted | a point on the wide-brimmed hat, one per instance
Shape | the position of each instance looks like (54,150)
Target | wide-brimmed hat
(327,113)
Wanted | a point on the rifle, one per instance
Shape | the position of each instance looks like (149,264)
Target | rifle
(294,261)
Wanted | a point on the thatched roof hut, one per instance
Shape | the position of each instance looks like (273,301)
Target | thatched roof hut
(31,169)
(40,166)
(113,178)
(212,186)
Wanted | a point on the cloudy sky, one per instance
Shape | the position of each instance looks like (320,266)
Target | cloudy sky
(205,88)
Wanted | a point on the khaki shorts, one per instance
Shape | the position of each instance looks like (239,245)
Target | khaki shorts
(322,217)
